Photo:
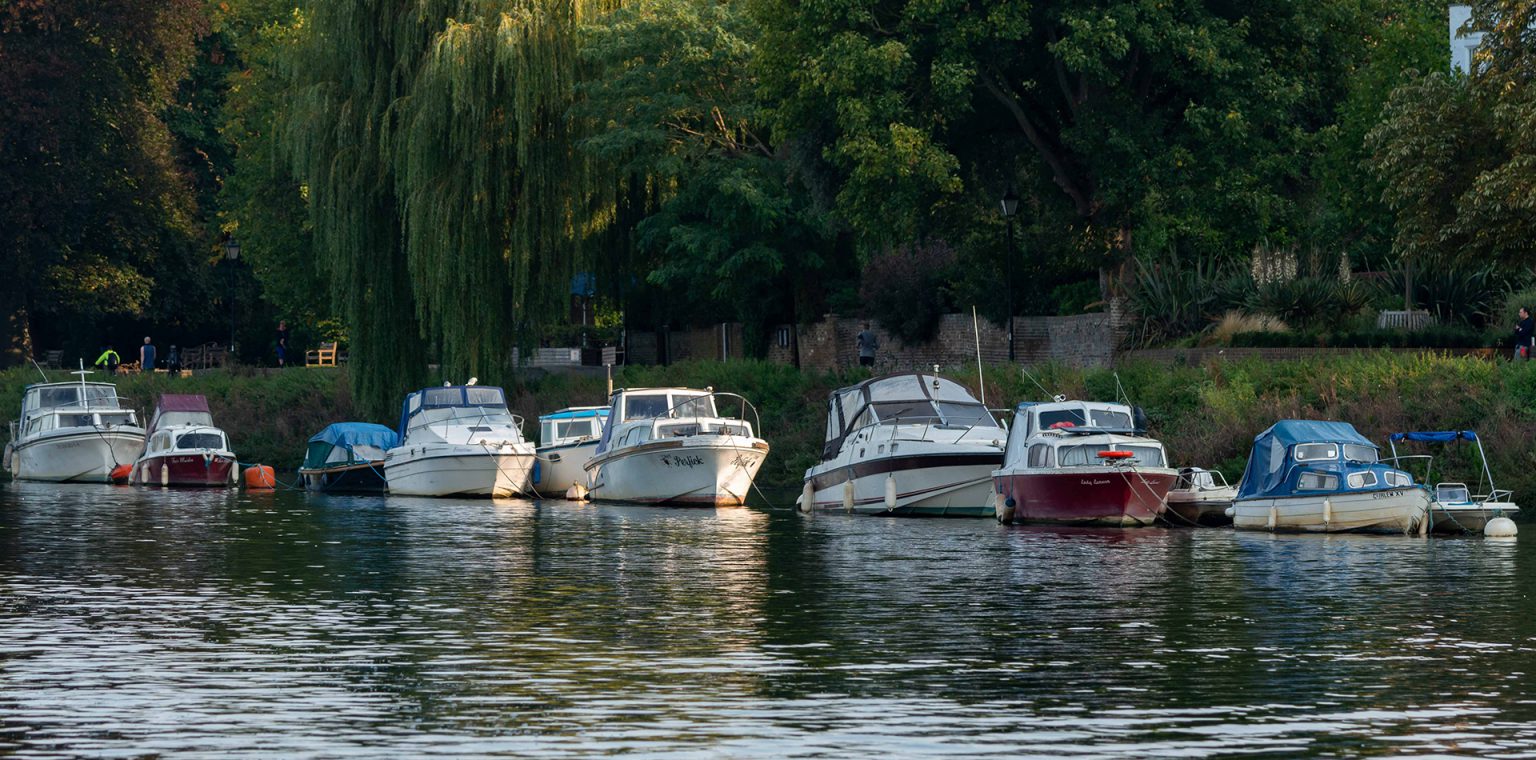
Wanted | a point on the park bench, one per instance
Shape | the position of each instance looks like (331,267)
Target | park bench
(324,356)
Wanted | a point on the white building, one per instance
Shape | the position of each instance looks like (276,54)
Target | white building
(1463,44)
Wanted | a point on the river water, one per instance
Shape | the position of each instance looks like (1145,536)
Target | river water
(140,623)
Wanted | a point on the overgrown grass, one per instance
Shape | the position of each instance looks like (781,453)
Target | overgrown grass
(1207,415)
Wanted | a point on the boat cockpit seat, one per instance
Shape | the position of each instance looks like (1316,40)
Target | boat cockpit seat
(1452,493)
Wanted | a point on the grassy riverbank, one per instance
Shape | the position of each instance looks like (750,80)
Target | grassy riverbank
(1206,414)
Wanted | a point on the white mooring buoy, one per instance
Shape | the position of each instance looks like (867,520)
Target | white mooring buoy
(1500,527)
(577,492)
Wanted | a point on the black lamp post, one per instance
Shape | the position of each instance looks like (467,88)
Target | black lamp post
(1010,206)
(231,255)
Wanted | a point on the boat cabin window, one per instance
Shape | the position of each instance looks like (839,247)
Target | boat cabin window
(76,420)
(1088,454)
(1315,452)
(1104,418)
(1452,493)
(1062,418)
(47,397)
(119,418)
(1040,455)
(646,405)
(695,406)
(485,397)
(906,412)
(1317,481)
(966,415)
(1354,452)
(679,430)
(1395,478)
(161,442)
(1363,480)
(200,441)
(559,430)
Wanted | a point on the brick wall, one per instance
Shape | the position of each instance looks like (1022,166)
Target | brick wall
(1203,355)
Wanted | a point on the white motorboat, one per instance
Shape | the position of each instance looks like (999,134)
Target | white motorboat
(1305,475)
(672,446)
(567,440)
(1200,497)
(459,440)
(72,432)
(906,444)
(1456,509)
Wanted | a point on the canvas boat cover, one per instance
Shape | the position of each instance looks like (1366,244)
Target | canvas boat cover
(349,442)
(450,396)
(180,409)
(846,404)
(576,413)
(1435,436)
(1272,471)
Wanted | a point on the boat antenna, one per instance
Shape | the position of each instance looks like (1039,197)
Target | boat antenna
(82,373)
(39,368)
(980,376)
(1120,389)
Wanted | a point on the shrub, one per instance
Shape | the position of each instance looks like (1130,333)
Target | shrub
(904,289)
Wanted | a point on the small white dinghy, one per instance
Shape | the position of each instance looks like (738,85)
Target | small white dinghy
(1456,509)
(1199,497)
(1312,476)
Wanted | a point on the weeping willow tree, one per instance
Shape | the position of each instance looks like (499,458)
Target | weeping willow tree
(449,203)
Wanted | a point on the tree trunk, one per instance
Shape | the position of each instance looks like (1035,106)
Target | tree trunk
(19,344)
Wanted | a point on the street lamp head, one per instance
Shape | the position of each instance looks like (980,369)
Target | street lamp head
(1010,202)
(231,248)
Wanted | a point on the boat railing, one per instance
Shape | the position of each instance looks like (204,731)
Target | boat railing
(1398,460)
(1218,480)
(669,418)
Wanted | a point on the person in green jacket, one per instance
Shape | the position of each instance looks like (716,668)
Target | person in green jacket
(108,359)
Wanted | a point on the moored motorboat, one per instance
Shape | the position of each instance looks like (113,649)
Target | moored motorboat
(1315,476)
(1456,509)
(459,440)
(348,457)
(72,432)
(1083,463)
(184,448)
(906,444)
(567,440)
(673,446)
(1199,497)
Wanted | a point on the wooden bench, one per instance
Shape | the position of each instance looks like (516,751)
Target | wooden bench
(53,359)
(324,356)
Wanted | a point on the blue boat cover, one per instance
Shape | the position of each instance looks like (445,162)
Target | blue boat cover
(1271,472)
(577,414)
(353,433)
(1435,436)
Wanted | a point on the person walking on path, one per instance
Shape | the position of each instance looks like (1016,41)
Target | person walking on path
(147,356)
(108,359)
(282,343)
(868,344)
(1525,329)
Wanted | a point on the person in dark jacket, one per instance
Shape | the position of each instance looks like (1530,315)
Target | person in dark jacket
(1524,330)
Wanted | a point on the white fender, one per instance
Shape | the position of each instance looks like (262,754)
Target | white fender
(807,498)
(890,492)
(848,495)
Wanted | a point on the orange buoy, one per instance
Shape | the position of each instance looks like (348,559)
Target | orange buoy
(260,477)
(120,474)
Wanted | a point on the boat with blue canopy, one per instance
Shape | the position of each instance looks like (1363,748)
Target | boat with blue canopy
(459,440)
(1323,476)
(567,439)
(1457,508)
(348,457)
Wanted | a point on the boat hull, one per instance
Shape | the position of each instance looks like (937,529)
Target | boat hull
(1468,518)
(366,478)
(1084,495)
(504,471)
(1191,509)
(186,471)
(561,467)
(76,456)
(714,472)
(1395,511)
(928,484)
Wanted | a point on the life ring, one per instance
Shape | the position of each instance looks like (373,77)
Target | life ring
(1063,425)
(1116,454)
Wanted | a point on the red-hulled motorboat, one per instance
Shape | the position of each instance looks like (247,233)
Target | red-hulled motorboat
(1083,463)
(183,448)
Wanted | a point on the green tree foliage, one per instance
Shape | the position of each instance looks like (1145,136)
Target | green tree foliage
(1186,121)
(724,227)
(1456,154)
(92,203)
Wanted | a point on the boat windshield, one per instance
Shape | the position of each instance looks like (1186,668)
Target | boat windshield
(1095,418)
(560,430)
(642,406)
(95,395)
(1354,452)
(966,415)
(906,412)
(200,441)
(76,420)
(117,418)
(1088,454)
